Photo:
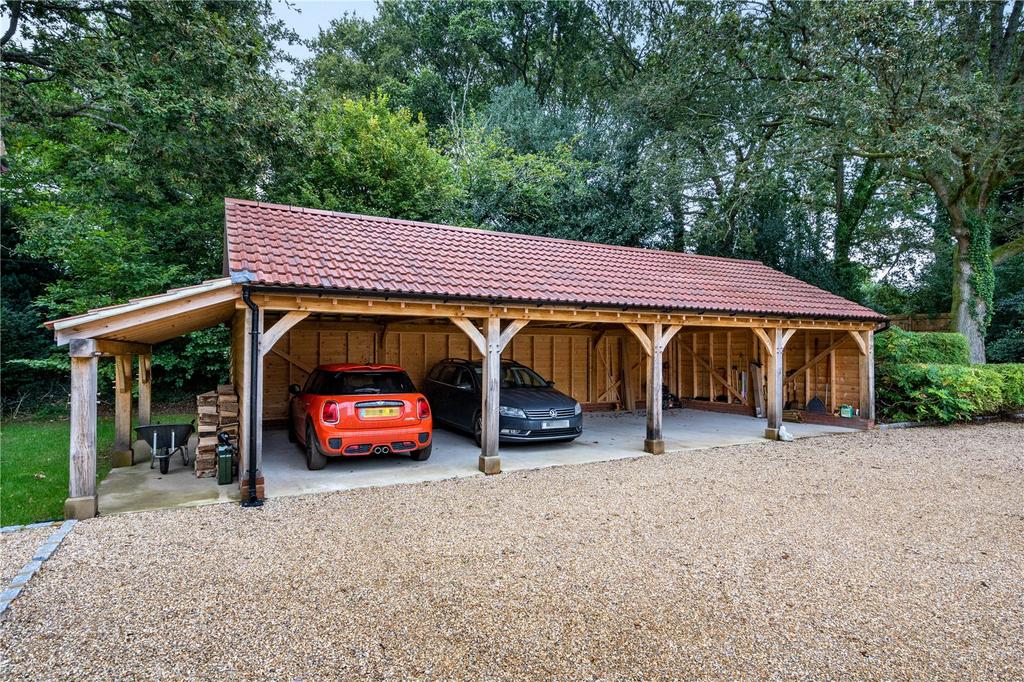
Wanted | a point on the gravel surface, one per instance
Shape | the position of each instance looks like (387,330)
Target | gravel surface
(16,548)
(872,555)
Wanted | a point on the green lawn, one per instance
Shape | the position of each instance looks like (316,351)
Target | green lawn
(34,466)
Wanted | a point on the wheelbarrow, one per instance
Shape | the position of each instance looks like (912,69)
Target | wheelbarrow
(165,440)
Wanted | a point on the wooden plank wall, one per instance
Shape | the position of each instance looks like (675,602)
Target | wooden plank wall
(584,363)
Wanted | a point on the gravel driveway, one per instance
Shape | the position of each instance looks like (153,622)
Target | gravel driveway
(17,547)
(878,555)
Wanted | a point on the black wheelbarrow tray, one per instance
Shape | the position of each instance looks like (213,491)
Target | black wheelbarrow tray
(165,440)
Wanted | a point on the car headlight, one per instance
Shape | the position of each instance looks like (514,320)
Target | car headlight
(511,412)
(579,409)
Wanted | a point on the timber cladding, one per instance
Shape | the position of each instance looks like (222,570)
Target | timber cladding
(602,366)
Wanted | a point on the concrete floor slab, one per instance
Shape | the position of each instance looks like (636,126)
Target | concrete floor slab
(606,436)
(137,488)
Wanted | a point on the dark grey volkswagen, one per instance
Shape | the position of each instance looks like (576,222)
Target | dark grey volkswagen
(530,409)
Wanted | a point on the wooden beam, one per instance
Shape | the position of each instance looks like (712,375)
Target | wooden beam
(861,344)
(81,502)
(509,332)
(145,389)
(122,455)
(355,305)
(305,367)
(668,333)
(817,358)
(490,461)
(767,342)
(787,334)
(119,321)
(280,328)
(84,348)
(641,336)
(470,330)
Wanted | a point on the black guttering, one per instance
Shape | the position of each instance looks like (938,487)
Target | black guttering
(254,377)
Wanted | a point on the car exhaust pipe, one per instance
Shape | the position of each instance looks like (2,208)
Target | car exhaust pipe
(381,450)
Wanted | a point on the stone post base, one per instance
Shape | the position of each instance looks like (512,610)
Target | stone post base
(655,447)
(80,508)
(771,434)
(121,458)
(490,465)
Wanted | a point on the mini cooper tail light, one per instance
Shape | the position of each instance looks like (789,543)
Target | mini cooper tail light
(423,408)
(330,414)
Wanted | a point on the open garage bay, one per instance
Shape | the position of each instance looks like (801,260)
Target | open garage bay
(606,436)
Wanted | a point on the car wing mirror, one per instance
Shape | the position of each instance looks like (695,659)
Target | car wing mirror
(551,384)
(294,389)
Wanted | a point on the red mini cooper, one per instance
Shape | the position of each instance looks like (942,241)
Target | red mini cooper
(349,410)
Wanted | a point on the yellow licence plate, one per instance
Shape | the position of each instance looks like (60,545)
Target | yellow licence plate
(379,412)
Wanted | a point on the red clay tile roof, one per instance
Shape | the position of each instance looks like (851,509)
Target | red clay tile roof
(274,245)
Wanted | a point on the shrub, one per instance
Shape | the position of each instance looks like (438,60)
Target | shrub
(1013,385)
(940,348)
(945,393)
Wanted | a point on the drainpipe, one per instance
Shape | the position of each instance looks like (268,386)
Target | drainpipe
(254,375)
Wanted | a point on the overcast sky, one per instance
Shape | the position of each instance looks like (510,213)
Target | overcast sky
(307,17)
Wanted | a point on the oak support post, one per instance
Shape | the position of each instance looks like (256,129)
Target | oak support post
(490,343)
(122,453)
(654,443)
(654,341)
(776,374)
(490,460)
(867,377)
(145,389)
(81,502)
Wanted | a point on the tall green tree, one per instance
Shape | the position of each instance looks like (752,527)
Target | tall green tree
(936,91)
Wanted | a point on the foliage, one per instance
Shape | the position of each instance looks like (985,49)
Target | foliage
(896,346)
(1013,385)
(1006,333)
(933,392)
(362,156)
(871,148)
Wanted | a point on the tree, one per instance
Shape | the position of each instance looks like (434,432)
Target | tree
(934,90)
(125,126)
(361,156)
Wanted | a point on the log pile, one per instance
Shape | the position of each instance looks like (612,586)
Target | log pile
(218,411)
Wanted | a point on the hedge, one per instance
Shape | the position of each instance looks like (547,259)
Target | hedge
(947,393)
(1013,385)
(936,348)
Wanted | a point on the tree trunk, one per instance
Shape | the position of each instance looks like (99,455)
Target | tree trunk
(970,301)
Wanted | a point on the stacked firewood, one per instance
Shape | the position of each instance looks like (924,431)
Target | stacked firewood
(218,411)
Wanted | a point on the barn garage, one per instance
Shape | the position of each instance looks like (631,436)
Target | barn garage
(619,329)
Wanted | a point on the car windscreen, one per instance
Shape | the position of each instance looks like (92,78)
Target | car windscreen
(516,376)
(364,383)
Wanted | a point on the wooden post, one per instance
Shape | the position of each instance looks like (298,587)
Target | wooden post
(654,341)
(867,376)
(628,402)
(490,460)
(81,502)
(145,389)
(122,454)
(490,344)
(776,379)
(711,366)
(654,442)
